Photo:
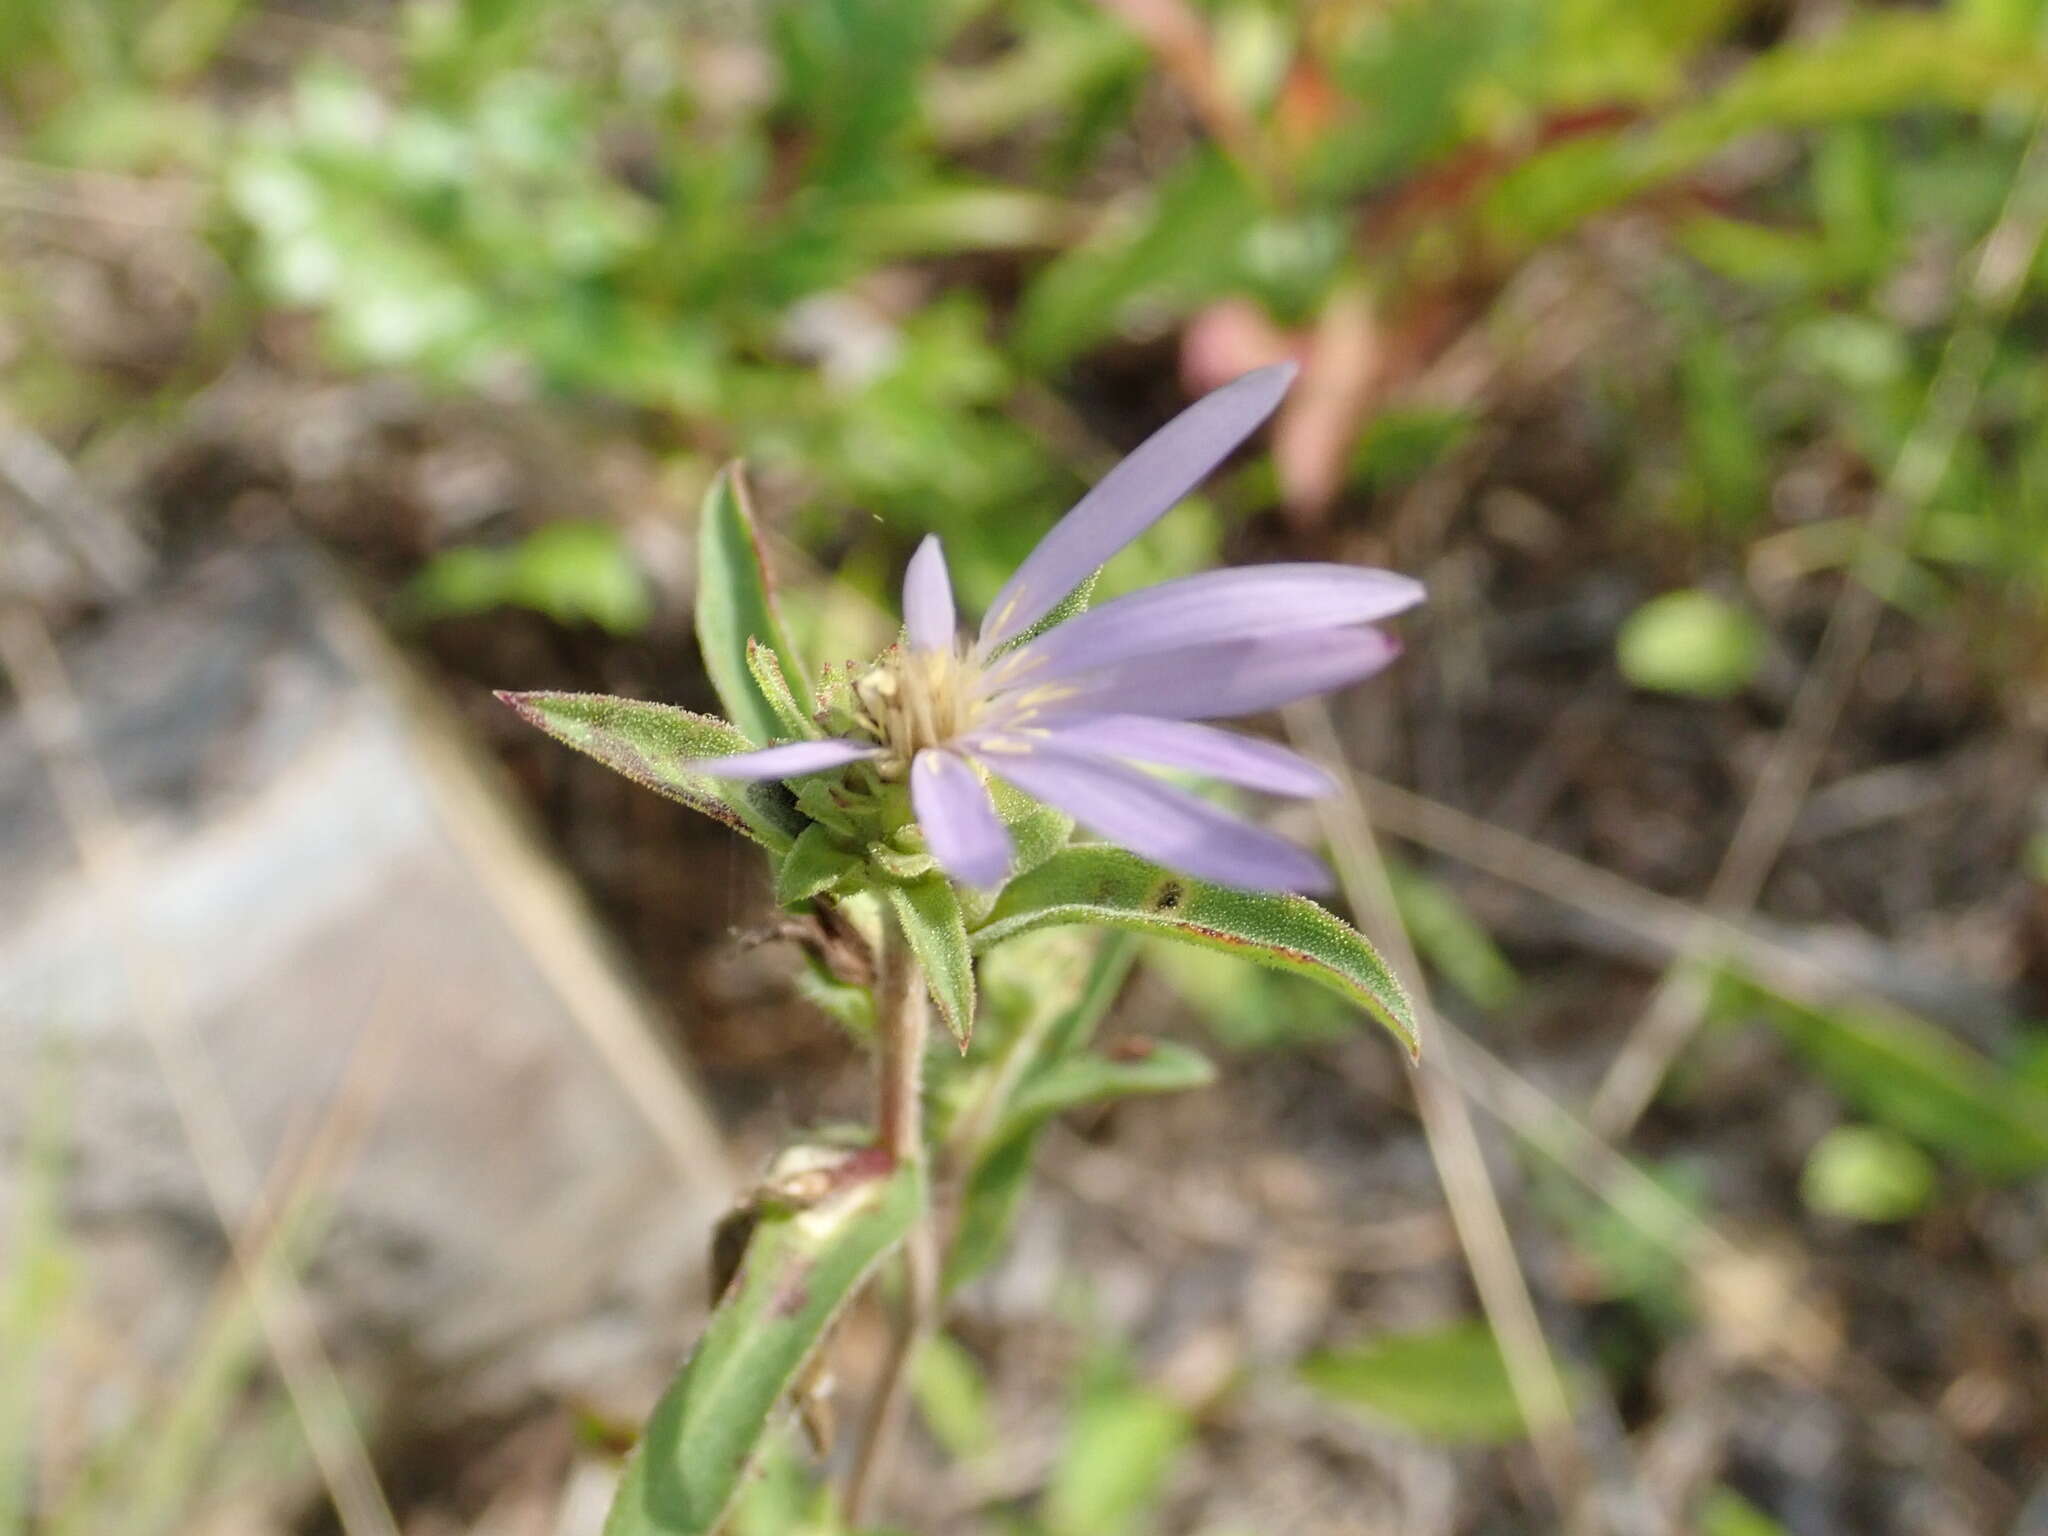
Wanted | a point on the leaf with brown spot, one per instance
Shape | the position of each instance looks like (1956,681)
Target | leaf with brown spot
(1094,883)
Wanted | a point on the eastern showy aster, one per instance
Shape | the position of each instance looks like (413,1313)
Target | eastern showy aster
(1068,714)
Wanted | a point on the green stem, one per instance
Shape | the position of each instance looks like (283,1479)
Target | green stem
(903,1021)
(902,1025)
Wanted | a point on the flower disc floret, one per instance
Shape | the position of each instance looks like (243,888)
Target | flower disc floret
(913,700)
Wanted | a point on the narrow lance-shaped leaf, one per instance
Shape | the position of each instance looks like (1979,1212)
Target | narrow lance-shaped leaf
(929,910)
(1153,1066)
(1073,603)
(735,604)
(650,743)
(995,1188)
(801,1266)
(1002,1163)
(1098,884)
(768,676)
(1446,1384)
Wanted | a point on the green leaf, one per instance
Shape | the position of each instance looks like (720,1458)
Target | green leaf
(1446,1384)
(767,674)
(1099,884)
(1915,1078)
(1450,938)
(1157,1066)
(1122,1441)
(651,743)
(1002,1168)
(816,864)
(575,573)
(1875,65)
(1690,642)
(1247,1008)
(851,1007)
(988,1209)
(735,605)
(953,1396)
(1184,247)
(1866,1173)
(1037,831)
(1074,1026)
(1725,1512)
(929,911)
(1066,608)
(801,1266)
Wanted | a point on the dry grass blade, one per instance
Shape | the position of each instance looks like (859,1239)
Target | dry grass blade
(29,657)
(1794,1324)
(1475,1206)
(538,902)
(1546,1125)
(2007,254)
(1653,921)
(277,1229)
(66,510)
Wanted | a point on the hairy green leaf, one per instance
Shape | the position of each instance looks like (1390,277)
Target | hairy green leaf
(815,865)
(651,743)
(929,910)
(1074,602)
(1098,884)
(801,1265)
(735,604)
(767,674)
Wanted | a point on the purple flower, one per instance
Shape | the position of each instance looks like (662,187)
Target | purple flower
(1068,715)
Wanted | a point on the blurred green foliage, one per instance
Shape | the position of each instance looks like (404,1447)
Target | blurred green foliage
(864,243)
(1690,642)
(897,252)
(1912,1077)
(575,573)
(1869,1174)
(1446,1384)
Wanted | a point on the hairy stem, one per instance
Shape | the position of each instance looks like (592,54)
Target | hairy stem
(902,1023)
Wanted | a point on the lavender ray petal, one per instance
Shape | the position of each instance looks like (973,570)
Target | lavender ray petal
(1241,604)
(1132,497)
(928,598)
(1204,682)
(1224,755)
(1155,820)
(959,820)
(792,760)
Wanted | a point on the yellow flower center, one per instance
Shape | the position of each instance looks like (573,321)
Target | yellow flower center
(916,699)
